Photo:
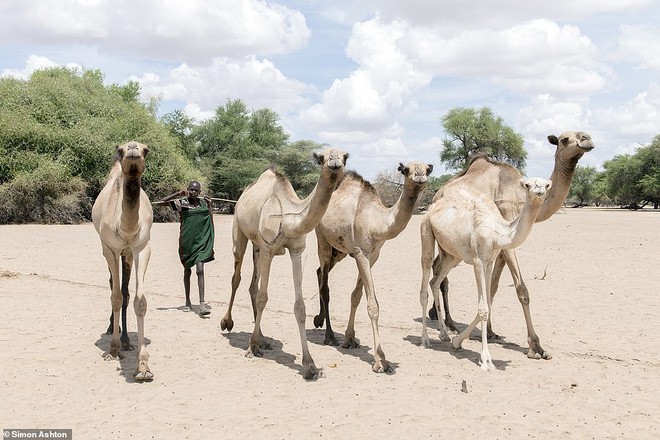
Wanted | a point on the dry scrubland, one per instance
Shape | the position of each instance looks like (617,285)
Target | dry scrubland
(593,278)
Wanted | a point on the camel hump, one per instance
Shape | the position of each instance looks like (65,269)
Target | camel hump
(270,219)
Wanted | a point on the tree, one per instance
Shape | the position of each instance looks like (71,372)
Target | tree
(582,185)
(469,131)
(57,133)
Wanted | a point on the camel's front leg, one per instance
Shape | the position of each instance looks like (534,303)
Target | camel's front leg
(482,316)
(535,350)
(364,267)
(141,260)
(310,371)
(126,267)
(115,299)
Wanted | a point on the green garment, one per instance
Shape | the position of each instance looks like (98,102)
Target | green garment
(197,235)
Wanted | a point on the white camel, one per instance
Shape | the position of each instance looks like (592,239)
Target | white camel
(468,227)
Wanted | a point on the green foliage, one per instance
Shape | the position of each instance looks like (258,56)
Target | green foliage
(236,146)
(634,180)
(582,185)
(469,131)
(45,194)
(70,119)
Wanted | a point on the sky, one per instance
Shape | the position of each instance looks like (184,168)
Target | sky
(373,78)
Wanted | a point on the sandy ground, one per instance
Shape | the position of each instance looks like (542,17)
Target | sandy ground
(596,310)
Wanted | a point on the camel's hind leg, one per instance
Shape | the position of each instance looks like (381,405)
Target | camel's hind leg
(535,350)
(141,261)
(240,244)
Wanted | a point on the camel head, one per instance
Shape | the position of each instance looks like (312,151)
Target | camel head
(571,145)
(416,174)
(333,164)
(536,188)
(131,156)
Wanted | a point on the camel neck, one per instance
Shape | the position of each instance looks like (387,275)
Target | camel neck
(130,205)
(401,211)
(561,177)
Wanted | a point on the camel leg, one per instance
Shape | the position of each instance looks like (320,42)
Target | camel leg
(349,336)
(428,250)
(535,350)
(265,260)
(481,276)
(240,243)
(254,286)
(445,263)
(141,260)
(500,261)
(364,267)
(115,299)
(310,371)
(126,266)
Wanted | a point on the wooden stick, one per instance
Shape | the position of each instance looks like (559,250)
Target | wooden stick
(223,200)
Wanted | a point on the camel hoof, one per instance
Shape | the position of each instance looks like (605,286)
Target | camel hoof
(493,336)
(383,367)
(426,343)
(433,313)
(311,372)
(456,343)
(143,376)
(226,324)
(350,343)
(535,355)
(318,321)
(127,346)
(330,340)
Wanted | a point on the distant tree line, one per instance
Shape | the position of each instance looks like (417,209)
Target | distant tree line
(58,129)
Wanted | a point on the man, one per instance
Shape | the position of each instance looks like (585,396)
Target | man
(196,237)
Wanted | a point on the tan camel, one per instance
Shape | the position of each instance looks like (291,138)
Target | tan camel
(358,224)
(273,218)
(468,227)
(499,181)
(122,215)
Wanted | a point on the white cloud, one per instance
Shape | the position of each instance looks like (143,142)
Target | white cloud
(641,44)
(258,83)
(192,31)
(33,63)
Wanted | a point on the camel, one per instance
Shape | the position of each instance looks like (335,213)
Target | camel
(499,181)
(122,216)
(273,218)
(469,227)
(358,224)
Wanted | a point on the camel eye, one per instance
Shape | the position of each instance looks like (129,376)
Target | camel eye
(564,141)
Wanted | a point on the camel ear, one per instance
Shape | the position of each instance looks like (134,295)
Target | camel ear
(145,151)
(553,139)
(429,168)
(548,185)
(345,158)
(402,169)
(523,183)
(318,158)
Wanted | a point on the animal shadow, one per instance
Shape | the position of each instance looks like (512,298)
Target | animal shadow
(317,336)
(127,358)
(462,353)
(241,340)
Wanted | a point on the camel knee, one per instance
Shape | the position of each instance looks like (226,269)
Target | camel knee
(523,294)
(373,311)
(483,314)
(140,305)
(299,310)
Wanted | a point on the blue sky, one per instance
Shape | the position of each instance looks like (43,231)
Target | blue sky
(371,77)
